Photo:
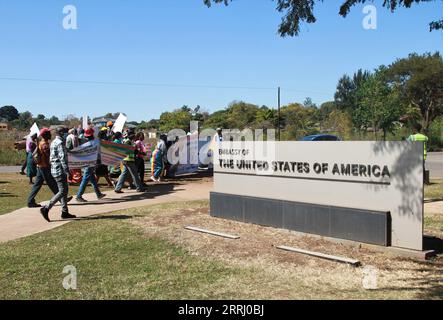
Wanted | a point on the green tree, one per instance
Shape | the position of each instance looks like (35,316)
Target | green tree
(9,113)
(296,12)
(379,106)
(266,118)
(347,88)
(54,121)
(298,121)
(218,119)
(242,115)
(340,123)
(177,119)
(24,121)
(420,79)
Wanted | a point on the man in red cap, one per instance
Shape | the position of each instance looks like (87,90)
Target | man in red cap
(43,169)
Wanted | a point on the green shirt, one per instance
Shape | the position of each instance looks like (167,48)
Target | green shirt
(421,138)
(131,156)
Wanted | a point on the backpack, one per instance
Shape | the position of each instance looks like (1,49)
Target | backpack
(36,155)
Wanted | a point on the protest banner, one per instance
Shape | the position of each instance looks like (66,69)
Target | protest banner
(84,156)
(183,151)
(113,153)
(85,122)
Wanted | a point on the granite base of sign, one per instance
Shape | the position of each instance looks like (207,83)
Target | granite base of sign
(367,226)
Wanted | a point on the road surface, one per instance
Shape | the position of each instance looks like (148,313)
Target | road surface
(434,164)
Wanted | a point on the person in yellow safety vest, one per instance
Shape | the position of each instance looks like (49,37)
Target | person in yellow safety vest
(418,136)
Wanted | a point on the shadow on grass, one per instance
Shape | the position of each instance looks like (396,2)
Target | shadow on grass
(433,243)
(98,218)
(433,200)
(151,193)
(7,195)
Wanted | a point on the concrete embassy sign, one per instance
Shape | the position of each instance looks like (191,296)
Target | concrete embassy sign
(364,191)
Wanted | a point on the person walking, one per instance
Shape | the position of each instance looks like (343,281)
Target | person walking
(418,136)
(140,157)
(43,169)
(72,141)
(60,171)
(89,175)
(157,160)
(129,169)
(31,145)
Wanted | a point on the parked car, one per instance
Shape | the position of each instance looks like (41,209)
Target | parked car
(321,137)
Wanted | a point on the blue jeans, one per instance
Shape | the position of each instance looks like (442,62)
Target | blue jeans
(43,174)
(88,176)
(129,168)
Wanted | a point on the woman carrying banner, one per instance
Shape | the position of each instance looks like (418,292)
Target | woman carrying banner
(89,175)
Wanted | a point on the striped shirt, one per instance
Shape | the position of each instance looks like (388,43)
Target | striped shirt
(59,158)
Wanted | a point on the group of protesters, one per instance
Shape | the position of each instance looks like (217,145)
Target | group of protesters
(48,162)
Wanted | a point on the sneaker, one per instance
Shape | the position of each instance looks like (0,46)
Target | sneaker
(101,196)
(45,213)
(68,216)
(153,179)
(80,199)
(141,190)
(34,205)
(69,199)
(118,191)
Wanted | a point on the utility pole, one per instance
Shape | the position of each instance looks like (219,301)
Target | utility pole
(278,115)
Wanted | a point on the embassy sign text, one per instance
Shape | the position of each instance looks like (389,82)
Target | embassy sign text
(238,160)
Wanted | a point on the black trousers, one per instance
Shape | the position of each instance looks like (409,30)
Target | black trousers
(140,165)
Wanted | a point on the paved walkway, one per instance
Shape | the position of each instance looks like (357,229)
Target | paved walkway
(10,169)
(25,221)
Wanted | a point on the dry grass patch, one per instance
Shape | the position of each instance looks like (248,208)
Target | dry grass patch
(283,275)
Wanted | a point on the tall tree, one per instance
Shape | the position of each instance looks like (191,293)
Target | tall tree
(378,105)
(347,88)
(9,113)
(302,11)
(420,79)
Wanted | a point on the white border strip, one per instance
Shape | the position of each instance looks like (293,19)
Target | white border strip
(220,234)
(352,262)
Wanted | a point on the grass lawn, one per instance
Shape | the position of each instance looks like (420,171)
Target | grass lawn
(15,188)
(8,155)
(434,190)
(144,253)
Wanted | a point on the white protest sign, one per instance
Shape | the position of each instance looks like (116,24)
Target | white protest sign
(34,130)
(85,122)
(119,123)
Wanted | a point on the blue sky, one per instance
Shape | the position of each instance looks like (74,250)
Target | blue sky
(182,42)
